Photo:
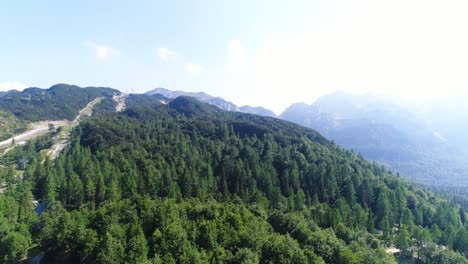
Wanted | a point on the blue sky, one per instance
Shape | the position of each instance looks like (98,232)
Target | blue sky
(269,53)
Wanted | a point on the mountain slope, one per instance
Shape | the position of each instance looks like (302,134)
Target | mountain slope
(186,182)
(3,93)
(386,132)
(60,101)
(10,125)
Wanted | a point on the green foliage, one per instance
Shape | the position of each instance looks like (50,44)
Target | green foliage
(143,101)
(14,247)
(60,101)
(10,125)
(448,257)
(106,105)
(188,183)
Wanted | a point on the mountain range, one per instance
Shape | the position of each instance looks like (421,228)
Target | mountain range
(217,101)
(416,144)
(176,180)
(425,143)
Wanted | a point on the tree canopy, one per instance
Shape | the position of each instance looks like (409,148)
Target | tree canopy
(189,183)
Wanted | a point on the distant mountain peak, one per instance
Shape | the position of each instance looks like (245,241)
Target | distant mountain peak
(63,85)
(384,130)
(190,106)
(258,110)
(213,100)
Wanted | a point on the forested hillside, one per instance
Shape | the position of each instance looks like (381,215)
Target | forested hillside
(10,125)
(189,183)
(61,101)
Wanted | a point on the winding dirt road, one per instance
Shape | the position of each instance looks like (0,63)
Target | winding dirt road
(42,128)
(120,99)
(63,139)
(38,129)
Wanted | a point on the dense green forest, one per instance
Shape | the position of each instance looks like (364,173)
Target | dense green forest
(458,195)
(132,101)
(106,105)
(61,101)
(189,183)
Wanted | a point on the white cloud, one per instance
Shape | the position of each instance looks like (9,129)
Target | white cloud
(105,52)
(6,86)
(192,67)
(236,57)
(102,52)
(408,48)
(166,54)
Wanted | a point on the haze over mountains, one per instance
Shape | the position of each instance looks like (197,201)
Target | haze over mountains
(423,145)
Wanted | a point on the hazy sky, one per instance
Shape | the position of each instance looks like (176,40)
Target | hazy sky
(269,53)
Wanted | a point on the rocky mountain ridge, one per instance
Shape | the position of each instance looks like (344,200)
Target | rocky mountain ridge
(217,101)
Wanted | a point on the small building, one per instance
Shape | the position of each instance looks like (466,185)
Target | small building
(40,207)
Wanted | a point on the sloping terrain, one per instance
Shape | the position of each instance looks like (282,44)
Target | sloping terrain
(37,129)
(60,101)
(212,100)
(10,125)
(389,133)
(62,128)
(120,100)
(186,182)
(62,139)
